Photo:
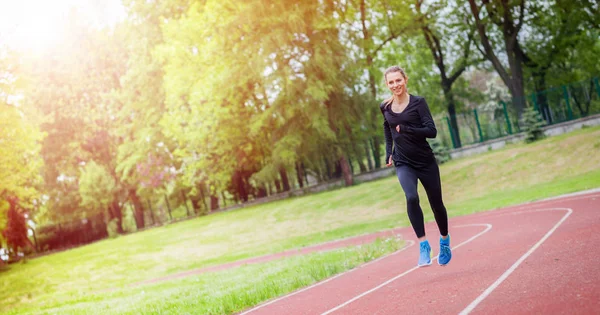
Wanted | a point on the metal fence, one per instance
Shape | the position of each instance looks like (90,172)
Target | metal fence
(555,105)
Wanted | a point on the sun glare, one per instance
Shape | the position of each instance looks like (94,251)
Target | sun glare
(37,24)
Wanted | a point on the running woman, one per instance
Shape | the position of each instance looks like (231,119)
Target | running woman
(407,123)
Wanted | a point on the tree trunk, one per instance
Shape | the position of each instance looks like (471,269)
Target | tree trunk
(223,198)
(214,202)
(138,209)
(451,105)
(346,172)
(262,192)
(361,165)
(338,172)
(168,207)
(513,76)
(201,191)
(184,199)
(327,168)
(240,186)
(368,155)
(299,174)
(376,148)
(540,98)
(277,186)
(284,179)
(151,212)
(116,213)
(195,204)
(518,90)
(376,141)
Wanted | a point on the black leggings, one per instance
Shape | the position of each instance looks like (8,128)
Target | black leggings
(430,179)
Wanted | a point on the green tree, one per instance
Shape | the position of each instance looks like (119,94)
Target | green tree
(97,188)
(15,231)
(20,138)
(509,18)
(449,38)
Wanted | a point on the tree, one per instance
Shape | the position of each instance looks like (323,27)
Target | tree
(20,162)
(568,33)
(380,24)
(509,17)
(15,232)
(450,44)
(97,188)
(276,73)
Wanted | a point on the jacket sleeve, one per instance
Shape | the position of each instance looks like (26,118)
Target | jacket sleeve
(387,133)
(427,128)
(388,140)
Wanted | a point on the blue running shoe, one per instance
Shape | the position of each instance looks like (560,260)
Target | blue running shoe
(445,252)
(425,254)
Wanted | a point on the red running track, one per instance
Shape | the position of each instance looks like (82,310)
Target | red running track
(529,259)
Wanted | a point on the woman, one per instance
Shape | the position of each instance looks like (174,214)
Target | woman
(407,123)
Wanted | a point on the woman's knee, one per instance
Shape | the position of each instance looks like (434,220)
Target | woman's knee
(438,207)
(412,198)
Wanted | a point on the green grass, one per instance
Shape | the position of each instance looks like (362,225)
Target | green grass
(515,174)
(221,292)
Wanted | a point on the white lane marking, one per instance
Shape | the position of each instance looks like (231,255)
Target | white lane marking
(409,244)
(505,275)
(488,227)
(535,204)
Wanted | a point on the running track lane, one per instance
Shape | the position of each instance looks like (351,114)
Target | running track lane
(536,258)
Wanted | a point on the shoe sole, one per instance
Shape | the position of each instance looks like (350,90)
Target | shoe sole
(424,265)
(445,263)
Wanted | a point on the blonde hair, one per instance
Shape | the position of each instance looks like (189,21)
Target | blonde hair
(391,69)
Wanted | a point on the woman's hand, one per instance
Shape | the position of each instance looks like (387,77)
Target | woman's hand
(389,161)
(398,128)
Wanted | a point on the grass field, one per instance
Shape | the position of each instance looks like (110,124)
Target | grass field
(72,281)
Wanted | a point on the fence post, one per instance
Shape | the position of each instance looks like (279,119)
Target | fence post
(535,103)
(506,117)
(478,125)
(452,136)
(566,95)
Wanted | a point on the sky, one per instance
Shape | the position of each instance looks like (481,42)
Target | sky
(36,24)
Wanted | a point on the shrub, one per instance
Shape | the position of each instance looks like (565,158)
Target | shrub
(532,123)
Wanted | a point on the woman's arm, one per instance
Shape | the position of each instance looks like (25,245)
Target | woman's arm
(428,129)
(388,139)
(387,132)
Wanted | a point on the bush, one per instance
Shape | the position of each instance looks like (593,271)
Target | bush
(111,228)
(72,233)
(441,152)
(532,123)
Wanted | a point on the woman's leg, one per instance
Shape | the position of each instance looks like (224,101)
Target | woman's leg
(430,178)
(408,181)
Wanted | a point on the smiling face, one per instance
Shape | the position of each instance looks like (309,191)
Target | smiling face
(396,82)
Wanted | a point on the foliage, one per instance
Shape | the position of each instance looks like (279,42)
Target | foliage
(15,232)
(216,103)
(96,187)
(279,226)
(441,152)
(532,123)
(20,162)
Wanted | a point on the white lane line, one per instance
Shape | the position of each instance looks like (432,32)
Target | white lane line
(409,244)
(507,273)
(534,204)
(488,227)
